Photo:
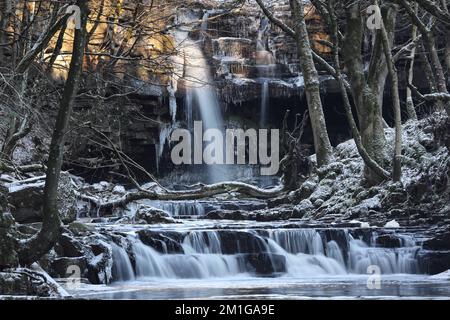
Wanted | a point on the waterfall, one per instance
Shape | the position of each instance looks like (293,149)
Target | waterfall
(204,94)
(265,63)
(178,208)
(189,111)
(390,261)
(264,103)
(199,84)
(236,253)
(122,268)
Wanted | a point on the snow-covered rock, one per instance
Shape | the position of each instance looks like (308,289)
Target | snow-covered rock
(119,190)
(392,225)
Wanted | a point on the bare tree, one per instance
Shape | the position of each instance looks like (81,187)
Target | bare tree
(322,143)
(34,248)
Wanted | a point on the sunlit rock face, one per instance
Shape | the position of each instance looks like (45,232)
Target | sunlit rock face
(252,66)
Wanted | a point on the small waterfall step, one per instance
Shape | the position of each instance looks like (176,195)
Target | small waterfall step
(183,253)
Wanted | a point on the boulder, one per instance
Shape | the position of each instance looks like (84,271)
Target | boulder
(323,192)
(25,282)
(27,201)
(150,215)
(266,264)
(70,247)
(64,267)
(80,229)
(307,189)
(167,242)
(303,208)
(99,266)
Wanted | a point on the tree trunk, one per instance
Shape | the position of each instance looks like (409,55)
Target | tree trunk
(40,244)
(368,160)
(397,165)
(410,108)
(312,85)
(366,98)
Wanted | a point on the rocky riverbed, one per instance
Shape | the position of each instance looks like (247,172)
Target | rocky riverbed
(331,230)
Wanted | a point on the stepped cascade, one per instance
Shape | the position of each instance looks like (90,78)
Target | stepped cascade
(291,253)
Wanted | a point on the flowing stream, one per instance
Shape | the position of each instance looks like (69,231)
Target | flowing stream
(213,259)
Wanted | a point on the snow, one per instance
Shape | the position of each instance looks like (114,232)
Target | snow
(119,190)
(17,188)
(392,225)
(364,225)
(442,276)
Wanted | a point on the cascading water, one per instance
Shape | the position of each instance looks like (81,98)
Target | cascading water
(205,254)
(265,63)
(200,91)
(179,208)
(264,103)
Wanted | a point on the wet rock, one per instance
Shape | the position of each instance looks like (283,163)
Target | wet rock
(235,215)
(428,142)
(389,241)
(119,190)
(307,189)
(167,242)
(440,240)
(275,215)
(434,262)
(318,203)
(266,263)
(243,205)
(234,242)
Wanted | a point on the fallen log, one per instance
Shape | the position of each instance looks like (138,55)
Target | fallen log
(201,192)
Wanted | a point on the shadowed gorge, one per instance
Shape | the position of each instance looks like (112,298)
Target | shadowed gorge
(214,149)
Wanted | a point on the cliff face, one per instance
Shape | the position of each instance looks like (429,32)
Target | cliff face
(251,63)
(136,101)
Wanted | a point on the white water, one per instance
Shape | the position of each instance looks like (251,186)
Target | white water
(265,62)
(179,208)
(264,103)
(200,89)
(206,255)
